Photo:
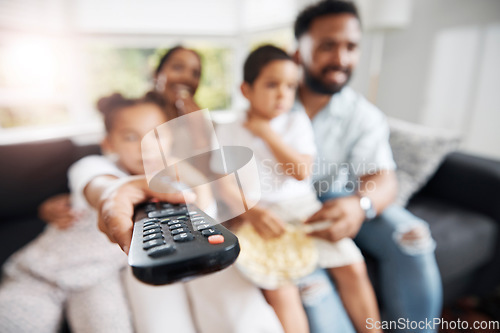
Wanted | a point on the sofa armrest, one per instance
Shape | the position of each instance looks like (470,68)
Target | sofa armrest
(468,181)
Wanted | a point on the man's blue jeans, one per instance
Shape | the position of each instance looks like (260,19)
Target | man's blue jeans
(410,282)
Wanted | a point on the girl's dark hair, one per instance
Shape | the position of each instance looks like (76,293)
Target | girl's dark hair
(169,53)
(259,58)
(110,106)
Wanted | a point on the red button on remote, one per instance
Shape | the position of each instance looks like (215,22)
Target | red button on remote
(216,239)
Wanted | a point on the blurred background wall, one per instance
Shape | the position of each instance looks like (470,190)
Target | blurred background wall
(442,69)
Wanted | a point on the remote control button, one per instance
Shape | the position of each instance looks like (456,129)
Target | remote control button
(184,237)
(159,213)
(177,226)
(165,221)
(193,212)
(209,232)
(180,210)
(203,226)
(198,223)
(216,239)
(181,217)
(150,208)
(149,220)
(174,222)
(152,243)
(200,218)
(150,224)
(151,231)
(161,251)
(167,205)
(149,227)
(152,236)
(178,231)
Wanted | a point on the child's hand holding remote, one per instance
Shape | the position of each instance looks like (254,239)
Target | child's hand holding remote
(114,200)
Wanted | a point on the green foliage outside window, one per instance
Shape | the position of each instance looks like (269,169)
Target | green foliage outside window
(130,71)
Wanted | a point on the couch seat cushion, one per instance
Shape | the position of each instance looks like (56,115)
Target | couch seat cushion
(465,240)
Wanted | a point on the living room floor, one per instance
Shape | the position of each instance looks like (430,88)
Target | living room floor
(471,309)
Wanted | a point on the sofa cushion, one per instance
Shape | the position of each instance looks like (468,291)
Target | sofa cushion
(418,151)
(30,173)
(465,239)
(469,181)
(33,172)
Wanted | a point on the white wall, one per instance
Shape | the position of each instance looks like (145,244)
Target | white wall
(443,70)
(194,17)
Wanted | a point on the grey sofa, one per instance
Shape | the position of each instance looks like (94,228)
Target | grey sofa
(461,202)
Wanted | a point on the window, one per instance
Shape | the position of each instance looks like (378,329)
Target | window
(33,84)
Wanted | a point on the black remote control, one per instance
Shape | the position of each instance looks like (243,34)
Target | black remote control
(177,242)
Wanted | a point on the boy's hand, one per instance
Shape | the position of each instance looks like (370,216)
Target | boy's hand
(57,211)
(265,223)
(259,126)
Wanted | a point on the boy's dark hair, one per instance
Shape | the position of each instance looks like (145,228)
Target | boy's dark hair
(169,53)
(259,58)
(322,8)
(110,106)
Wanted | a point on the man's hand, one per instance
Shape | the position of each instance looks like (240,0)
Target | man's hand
(57,211)
(259,126)
(346,216)
(265,223)
(115,206)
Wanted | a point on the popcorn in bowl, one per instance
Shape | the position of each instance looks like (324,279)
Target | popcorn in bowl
(271,263)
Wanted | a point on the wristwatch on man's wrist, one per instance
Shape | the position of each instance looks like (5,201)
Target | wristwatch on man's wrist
(366,205)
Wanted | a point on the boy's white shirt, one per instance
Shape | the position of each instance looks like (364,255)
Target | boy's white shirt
(296,131)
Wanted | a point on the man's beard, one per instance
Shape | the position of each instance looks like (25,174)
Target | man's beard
(319,87)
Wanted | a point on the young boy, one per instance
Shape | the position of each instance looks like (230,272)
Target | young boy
(275,250)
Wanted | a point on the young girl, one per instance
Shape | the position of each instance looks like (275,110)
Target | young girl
(283,145)
(72,268)
(177,78)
